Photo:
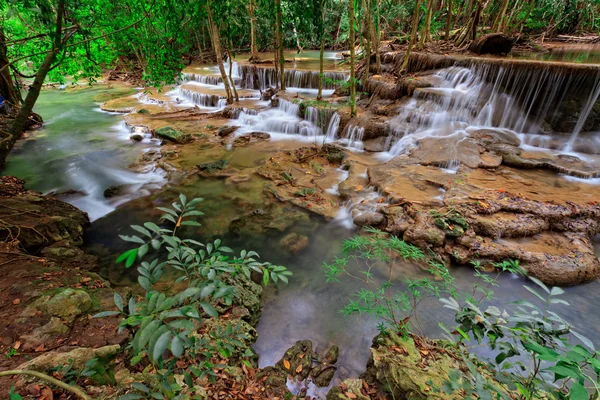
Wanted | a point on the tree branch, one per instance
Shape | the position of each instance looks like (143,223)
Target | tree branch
(49,379)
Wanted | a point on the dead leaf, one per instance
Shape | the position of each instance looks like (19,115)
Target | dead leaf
(301,356)
(16,301)
(17,345)
(39,348)
(351,395)
(286,364)
(299,369)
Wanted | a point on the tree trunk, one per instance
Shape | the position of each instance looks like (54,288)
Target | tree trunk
(352,60)
(377,35)
(216,39)
(280,45)
(321,54)
(7,85)
(253,48)
(426,32)
(448,20)
(478,10)
(20,121)
(368,40)
(235,93)
(413,36)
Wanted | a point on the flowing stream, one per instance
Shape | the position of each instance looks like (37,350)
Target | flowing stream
(87,151)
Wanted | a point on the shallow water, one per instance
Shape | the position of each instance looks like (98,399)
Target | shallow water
(79,141)
(84,149)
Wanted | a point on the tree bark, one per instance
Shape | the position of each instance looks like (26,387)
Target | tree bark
(368,41)
(352,60)
(377,35)
(321,53)
(7,85)
(280,45)
(235,93)
(216,39)
(499,21)
(448,20)
(413,36)
(426,32)
(253,48)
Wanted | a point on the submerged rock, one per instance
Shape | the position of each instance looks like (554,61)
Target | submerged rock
(213,167)
(294,242)
(227,130)
(136,137)
(265,220)
(173,135)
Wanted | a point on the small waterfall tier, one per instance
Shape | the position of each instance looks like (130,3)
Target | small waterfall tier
(256,77)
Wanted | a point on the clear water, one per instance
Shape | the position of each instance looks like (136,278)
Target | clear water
(80,141)
(83,149)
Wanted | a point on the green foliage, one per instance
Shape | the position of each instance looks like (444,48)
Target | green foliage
(305,192)
(10,353)
(13,395)
(165,324)
(379,298)
(96,370)
(535,354)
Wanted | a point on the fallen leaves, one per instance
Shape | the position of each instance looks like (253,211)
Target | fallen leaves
(286,364)
(299,369)
(17,301)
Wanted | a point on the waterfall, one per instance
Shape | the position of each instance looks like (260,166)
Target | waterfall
(253,77)
(524,101)
(333,127)
(203,79)
(202,99)
(289,108)
(587,109)
(354,137)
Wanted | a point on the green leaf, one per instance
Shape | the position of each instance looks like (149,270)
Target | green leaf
(123,256)
(578,392)
(587,342)
(140,386)
(152,226)
(141,230)
(105,314)
(177,346)
(143,250)
(145,283)
(561,372)
(210,310)
(161,344)
(131,258)
(118,301)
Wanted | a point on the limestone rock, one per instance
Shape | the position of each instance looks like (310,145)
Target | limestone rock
(227,130)
(173,135)
(294,242)
(68,304)
(80,356)
(45,333)
(372,219)
(424,233)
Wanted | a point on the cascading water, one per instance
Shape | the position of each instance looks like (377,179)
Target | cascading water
(333,127)
(354,137)
(253,77)
(202,99)
(465,97)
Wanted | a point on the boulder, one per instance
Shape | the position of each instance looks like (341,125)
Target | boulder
(424,233)
(173,135)
(493,43)
(68,304)
(294,242)
(79,357)
(113,191)
(372,219)
(227,130)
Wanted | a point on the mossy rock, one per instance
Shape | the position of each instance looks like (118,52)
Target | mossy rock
(143,111)
(173,135)
(213,167)
(452,223)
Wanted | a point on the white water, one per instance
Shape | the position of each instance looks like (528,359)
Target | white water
(463,98)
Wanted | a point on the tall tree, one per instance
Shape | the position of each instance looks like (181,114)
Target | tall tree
(448,20)
(279,22)
(351,17)
(413,36)
(426,31)
(321,30)
(216,40)
(253,47)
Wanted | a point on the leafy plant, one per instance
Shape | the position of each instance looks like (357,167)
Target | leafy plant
(166,323)
(533,346)
(305,192)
